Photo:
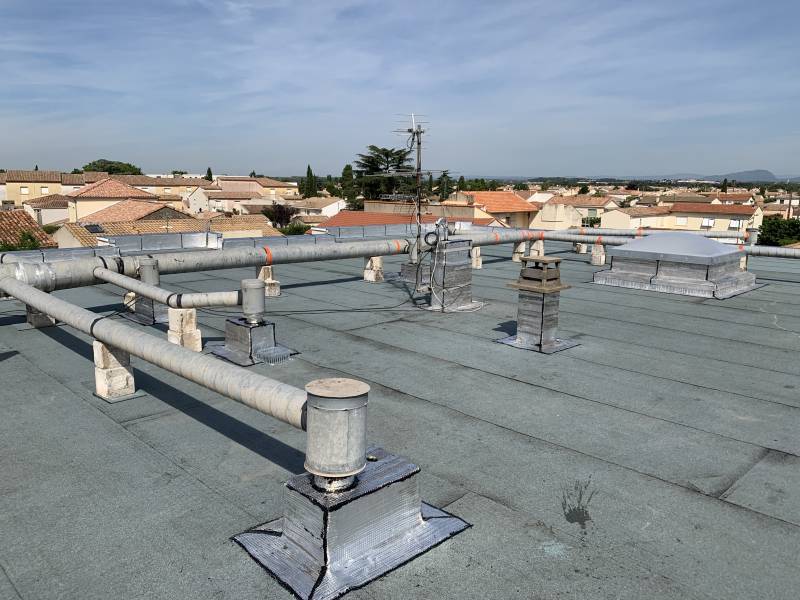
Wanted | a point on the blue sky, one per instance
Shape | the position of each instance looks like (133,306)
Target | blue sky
(556,88)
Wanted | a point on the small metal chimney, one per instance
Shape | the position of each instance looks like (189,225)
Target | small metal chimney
(539,286)
(145,310)
(250,339)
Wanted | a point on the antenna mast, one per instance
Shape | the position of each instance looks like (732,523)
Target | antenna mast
(416,132)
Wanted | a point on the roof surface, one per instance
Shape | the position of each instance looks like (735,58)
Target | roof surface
(131,210)
(257,223)
(14,223)
(501,202)
(110,188)
(231,195)
(682,412)
(351,218)
(50,201)
(147,181)
(582,201)
(645,211)
(714,209)
(18,176)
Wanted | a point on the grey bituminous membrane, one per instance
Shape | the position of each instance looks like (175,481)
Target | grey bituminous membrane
(682,410)
(328,544)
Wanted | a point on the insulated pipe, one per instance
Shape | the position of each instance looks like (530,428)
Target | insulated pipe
(774,251)
(273,398)
(171,299)
(76,273)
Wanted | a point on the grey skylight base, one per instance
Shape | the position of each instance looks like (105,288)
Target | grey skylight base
(678,263)
(328,544)
(557,346)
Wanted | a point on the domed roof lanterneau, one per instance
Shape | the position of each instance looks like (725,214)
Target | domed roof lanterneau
(678,246)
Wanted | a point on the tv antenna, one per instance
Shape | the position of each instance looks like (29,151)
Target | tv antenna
(415,133)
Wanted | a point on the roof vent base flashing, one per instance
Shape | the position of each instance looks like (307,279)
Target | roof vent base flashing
(329,543)
(248,344)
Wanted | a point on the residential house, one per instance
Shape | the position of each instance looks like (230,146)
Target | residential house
(634,217)
(589,206)
(135,210)
(554,216)
(263,186)
(732,198)
(15,223)
(102,194)
(715,217)
(358,218)
(48,209)
(505,207)
(29,185)
(166,186)
(76,235)
(226,201)
(3,191)
(318,207)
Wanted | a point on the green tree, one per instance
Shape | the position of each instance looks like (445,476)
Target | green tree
(763,191)
(26,241)
(280,214)
(252,173)
(493,185)
(112,167)
(76,171)
(777,231)
(376,163)
(36,167)
(724,187)
(462,184)
(521,186)
(584,189)
(209,175)
(310,186)
(444,185)
(178,173)
(349,188)
(430,183)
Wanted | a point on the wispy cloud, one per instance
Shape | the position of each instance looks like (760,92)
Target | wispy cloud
(510,87)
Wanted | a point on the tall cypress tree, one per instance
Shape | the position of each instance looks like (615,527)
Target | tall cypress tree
(209,175)
(310,188)
(348,185)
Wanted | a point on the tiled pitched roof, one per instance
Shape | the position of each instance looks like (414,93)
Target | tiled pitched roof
(147,181)
(131,210)
(645,211)
(2,177)
(256,223)
(501,202)
(694,198)
(50,201)
(728,197)
(111,188)
(228,195)
(316,202)
(262,181)
(713,209)
(14,223)
(72,179)
(582,201)
(357,218)
(17,176)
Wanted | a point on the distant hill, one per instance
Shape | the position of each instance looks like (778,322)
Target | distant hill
(754,175)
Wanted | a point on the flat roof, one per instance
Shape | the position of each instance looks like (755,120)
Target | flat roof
(682,412)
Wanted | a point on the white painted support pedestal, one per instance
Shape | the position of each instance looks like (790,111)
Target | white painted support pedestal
(272,287)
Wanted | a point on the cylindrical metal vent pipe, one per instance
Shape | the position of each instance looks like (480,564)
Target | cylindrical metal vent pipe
(336,422)
(253,300)
(148,271)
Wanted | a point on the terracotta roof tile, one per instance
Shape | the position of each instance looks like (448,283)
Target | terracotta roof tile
(229,195)
(357,218)
(501,202)
(14,223)
(132,210)
(147,181)
(582,201)
(16,176)
(110,188)
(256,223)
(50,201)
(713,209)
